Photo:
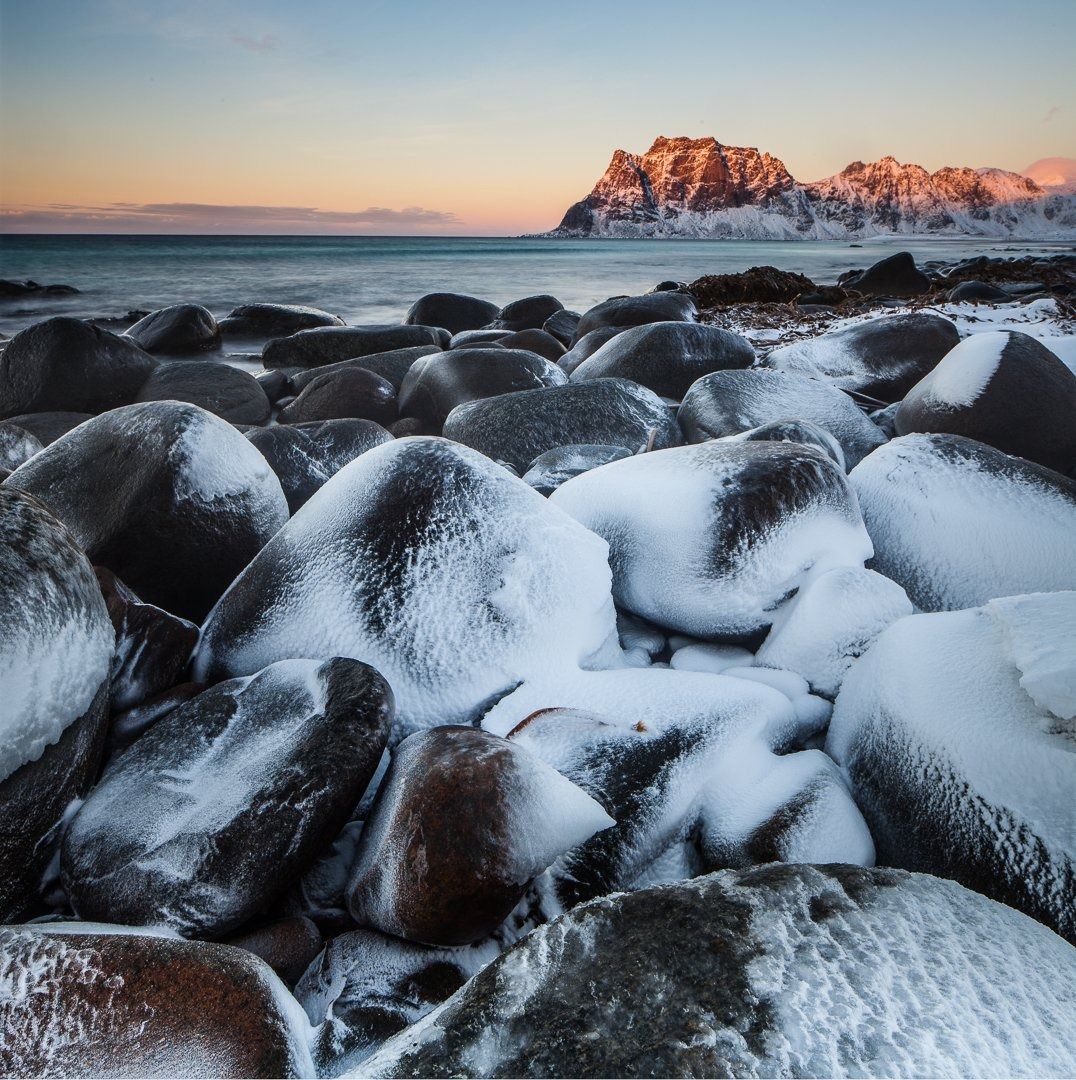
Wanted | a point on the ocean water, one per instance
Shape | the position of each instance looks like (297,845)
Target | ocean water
(368,279)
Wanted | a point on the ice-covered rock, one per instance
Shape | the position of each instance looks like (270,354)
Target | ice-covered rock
(225,801)
(957,523)
(105,1001)
(452,577)
(711,539)
(16,445)
(956,731)
(796,431)
(553,468)
(883,357)
(462,824)
(171,498)
(830,623)
(730,402)
(56,645)
(1005,389)
(516,428)
(771,971)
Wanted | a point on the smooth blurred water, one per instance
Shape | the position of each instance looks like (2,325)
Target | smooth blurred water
(374,279)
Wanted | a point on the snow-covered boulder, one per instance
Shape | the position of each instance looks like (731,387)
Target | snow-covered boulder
(427,560)
(729,402)
(1005,389)
(95,1000)
(169,497)
(56,644)
(711,539)
(957,733)
(225,801)
(883,357)
(771,971)
(797,431)
(957,523)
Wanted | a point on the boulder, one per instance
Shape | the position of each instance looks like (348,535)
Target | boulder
(1002,388)
(178,330)
(17,445)
(331,344)
(551,469)
(289,945)
(223,803)
(392,365)
(452,311)
(351,394)
(755,972)
(537,341)
(47,427)
(587,346)
(274,320)
(225,391)
(666,357)
(795,431)
(516,428)
(977,292)
(166,495)
(625,311)
(66,364)
(896,275)
(527,314)
(561,325)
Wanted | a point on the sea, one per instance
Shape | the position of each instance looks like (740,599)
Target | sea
(374,279)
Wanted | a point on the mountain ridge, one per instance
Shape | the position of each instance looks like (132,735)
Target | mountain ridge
(701,188)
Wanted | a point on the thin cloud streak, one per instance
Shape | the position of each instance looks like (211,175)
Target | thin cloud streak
(209,217)
(1051,112)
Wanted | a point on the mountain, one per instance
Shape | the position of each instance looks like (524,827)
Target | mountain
(700,188)
(1056,175)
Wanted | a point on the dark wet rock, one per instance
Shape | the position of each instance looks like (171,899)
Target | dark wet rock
(21,289)
(537,341)
(166,495)
(667,357)
(797,431)
(288,945)
(392,365)
(551,469)
(16,445)
(562,324)
(178,330)
(275,384)
(47,427)
(587,346)
(406,427)
(56,644)
(304,456)
(461,825)
(883,358)
(729,402)
(442,531)
(625,311)
(274,320)
(978,292)
(66,364)
(527,314)
(759,285)
(668,285)
(352,394)
(752,520)
(435,385)
(751,973)
(822,296)
(126,726)
(94,1002)
(896,275)
(452,311)
(1002,388)
(367,986)
(331,344)
(468,339)
(152,650)
(516,428)
(223,803)
(225,391)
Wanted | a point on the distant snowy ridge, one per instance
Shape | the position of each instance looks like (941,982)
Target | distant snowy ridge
(699,188)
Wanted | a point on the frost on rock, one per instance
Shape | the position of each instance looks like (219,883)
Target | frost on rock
(423,558)
(956,733)
(224,802)
(957,523)
(106,1001)
(463,822)
(169,497)
(712,539)
(830,623)
(777,970)
(694,769)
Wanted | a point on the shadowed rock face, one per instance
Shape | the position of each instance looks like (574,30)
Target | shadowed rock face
(179,330)
(91,1004)
(749,973)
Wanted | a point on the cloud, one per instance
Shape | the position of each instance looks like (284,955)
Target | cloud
(214,218)
(265,44)
(1051,112)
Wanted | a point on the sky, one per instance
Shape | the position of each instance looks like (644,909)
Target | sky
(469,117)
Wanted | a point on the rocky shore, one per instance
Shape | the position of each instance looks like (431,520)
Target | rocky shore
(685,686)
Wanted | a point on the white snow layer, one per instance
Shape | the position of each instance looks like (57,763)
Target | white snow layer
(962,375)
